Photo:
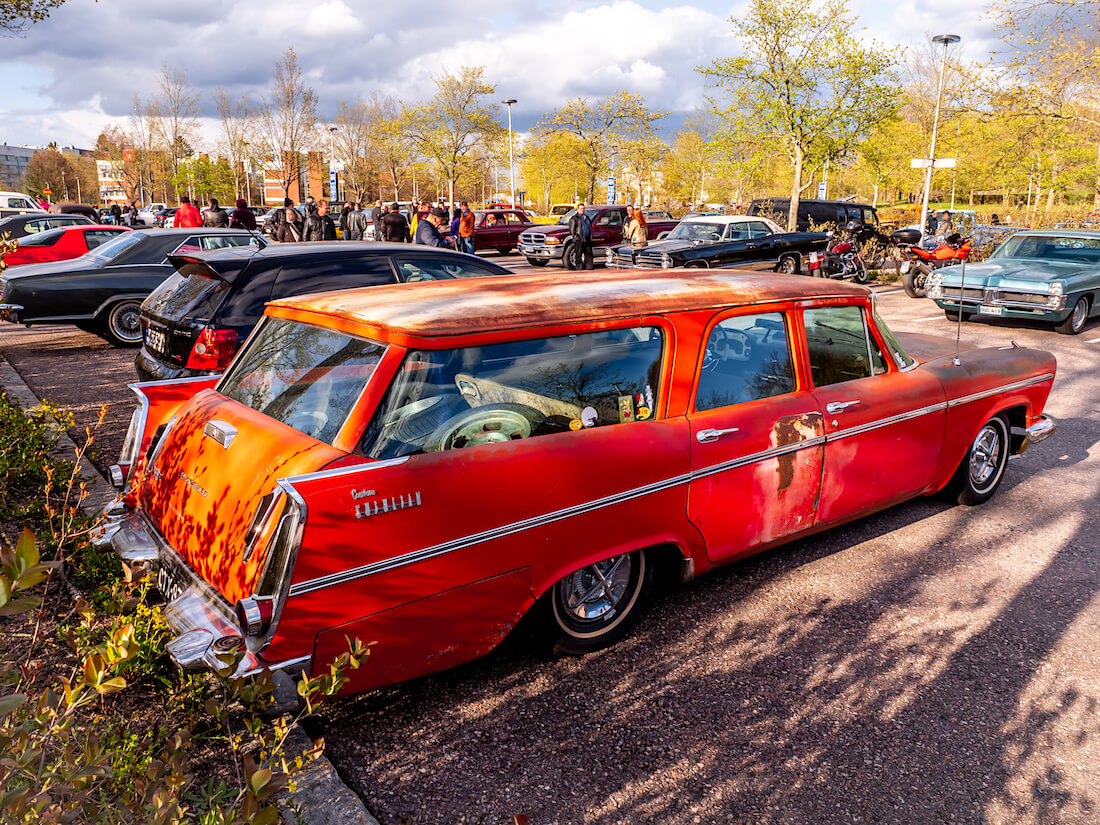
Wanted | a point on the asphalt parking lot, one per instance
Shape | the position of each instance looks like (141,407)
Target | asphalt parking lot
(930,664)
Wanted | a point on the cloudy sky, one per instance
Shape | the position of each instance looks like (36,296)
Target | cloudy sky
(67,78)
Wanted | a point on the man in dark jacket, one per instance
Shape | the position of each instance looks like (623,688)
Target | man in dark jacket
(427,228)
(580,231)
(395,228)
(357,225)
(319,225)
(215,216)
(376,216)
(349,207)
(242,217)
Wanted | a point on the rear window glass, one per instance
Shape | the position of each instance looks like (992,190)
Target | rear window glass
(116,246)
(47,238)
(305,376)
(414,269)
(192,296)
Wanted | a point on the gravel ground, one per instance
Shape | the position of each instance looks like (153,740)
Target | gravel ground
(930,664)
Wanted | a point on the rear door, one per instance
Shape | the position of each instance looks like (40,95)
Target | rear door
(757,437)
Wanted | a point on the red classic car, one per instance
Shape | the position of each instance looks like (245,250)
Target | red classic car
(420,467)
(61,244)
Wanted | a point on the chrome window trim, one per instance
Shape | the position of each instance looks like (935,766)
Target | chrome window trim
(332,579)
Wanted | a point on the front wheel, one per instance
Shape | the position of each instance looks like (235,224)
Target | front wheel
(594,607)
(1076,320)
(860,275)
(914,281)
(538,261)
(123,324)
(571,257)
(982,468)
(953,314)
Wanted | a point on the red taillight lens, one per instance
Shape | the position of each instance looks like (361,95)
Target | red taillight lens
(213,349)
(815,261)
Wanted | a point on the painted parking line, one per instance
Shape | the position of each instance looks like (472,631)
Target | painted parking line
(890,292)
(929,318)
(1093,341)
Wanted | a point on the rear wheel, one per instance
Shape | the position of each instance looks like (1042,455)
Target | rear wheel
(1076,320)
(503,250)
(860,276)
(913,281)
(982,468)
(788,265)
(122,325)
(953,315)
(594,607)
(538,261)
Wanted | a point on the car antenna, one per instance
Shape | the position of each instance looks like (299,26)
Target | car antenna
(959,324)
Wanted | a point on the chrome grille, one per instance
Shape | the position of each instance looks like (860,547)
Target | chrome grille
(532,237)
(622,260)
(1021,297)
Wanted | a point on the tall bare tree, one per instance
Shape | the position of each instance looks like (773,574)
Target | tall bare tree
(390,144)
(177,116)
(603,127)
(287,126)
(238,121)
(446,128)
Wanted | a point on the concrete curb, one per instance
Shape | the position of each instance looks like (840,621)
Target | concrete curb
(320,796)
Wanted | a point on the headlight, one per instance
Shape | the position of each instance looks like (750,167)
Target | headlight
(610,256)
(935,279)
(1055,288)
(666,260)
(933,290)
(552,241)
(1056,302)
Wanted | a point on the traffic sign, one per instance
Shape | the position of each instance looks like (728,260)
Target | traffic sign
(821,191)
(938,163)
(332,185)
(47,192)
(611,190)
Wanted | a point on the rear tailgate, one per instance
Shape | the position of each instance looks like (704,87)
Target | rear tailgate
(176,312)
(201,496)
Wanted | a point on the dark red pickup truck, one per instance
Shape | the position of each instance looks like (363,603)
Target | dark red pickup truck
(550,242)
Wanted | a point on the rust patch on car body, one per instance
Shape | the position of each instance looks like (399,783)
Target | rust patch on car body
(790,430)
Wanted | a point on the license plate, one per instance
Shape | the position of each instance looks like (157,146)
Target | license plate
(985,310)
(169,583)
(904,267)
(157,340)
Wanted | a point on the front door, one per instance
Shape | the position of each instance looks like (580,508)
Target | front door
(757,438)
(884,428)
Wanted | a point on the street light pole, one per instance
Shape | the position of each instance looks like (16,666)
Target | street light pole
(333,181)
(922,220)
(511,162)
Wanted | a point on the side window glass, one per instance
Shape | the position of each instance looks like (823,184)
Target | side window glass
(475,396)
(412,270)
(611,218)
(737,232)
(97,237)
(839,346)
(746,358)
(758,230)
(35,226)
(190,245)
(324,276)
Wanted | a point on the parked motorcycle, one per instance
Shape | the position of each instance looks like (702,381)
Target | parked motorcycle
(840,261)
(921,263)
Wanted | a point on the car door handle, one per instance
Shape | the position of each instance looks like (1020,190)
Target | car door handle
(707,436)
(835,407)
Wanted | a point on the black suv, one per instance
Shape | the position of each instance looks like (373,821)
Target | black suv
(195,321)
(815,213)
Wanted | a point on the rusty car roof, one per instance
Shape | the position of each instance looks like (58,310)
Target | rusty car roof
(466,305)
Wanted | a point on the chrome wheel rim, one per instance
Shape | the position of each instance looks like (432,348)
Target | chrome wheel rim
(1080,312)
(594,593)
(985,456)
(126,322)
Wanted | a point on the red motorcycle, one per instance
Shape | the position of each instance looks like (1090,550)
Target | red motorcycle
(915,271)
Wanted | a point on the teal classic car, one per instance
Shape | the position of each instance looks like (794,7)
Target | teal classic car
(1044,275)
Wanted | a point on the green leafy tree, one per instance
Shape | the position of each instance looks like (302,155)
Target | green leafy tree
(18,15)
(448,127)
(602,128)
(804,85)
(69,178)
(552,163)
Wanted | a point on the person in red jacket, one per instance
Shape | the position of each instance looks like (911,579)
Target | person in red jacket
(187,215)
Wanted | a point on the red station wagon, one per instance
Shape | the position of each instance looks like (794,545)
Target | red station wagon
(421,467)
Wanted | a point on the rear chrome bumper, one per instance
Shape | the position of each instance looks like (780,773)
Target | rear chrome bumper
(204,622)
(9,312)
(1039,431)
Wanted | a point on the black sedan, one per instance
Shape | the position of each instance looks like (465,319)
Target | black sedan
(102,291)
(20,226)
(715,241)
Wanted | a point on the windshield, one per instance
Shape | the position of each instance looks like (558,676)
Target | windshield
(1051,247)
(903,359)
(116,246)
(697,231)
(305,376)
(565,218)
